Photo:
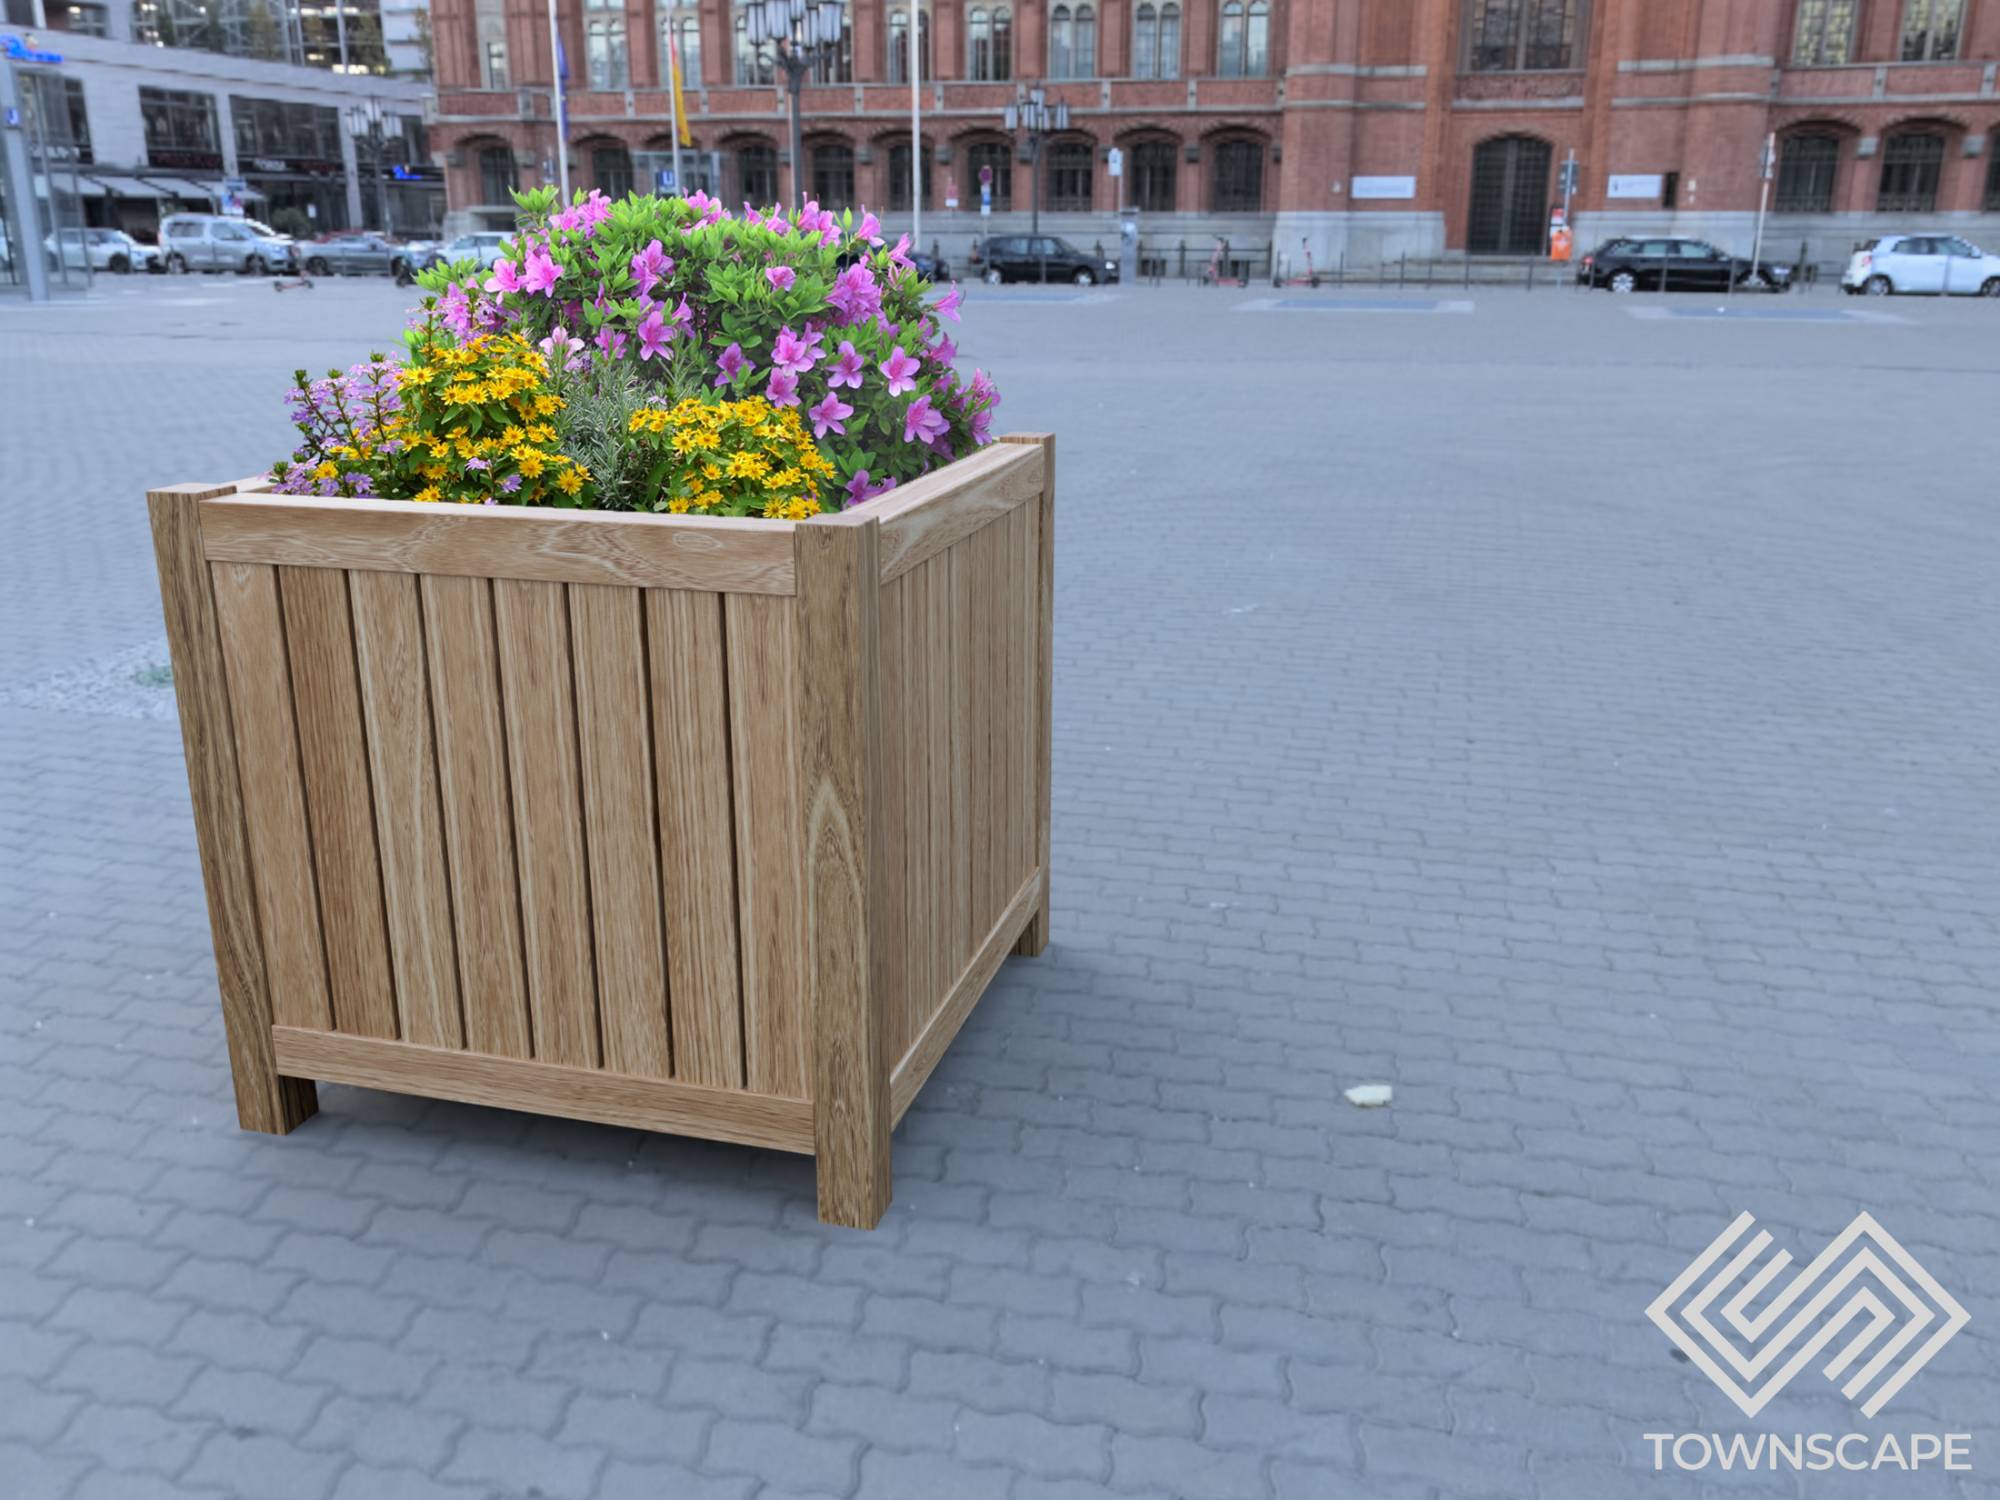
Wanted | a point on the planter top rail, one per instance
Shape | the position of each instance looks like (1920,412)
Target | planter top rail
(723,554)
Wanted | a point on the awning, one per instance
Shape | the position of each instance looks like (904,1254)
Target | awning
(84,186)
(180,187)
(126,187)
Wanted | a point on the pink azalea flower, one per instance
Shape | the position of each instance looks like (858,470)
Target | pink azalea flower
(794,354)
(683,316)
(945,351)
(503,278)
(828,416)
(561,348)
(923,423)
(854,294)
(782,389)
(654,336)
(649,265)
(859,489)
(611,342)
(901,254)
(901,371)
(846,367)
(947,305)
(733,364)
(869,229)
(540,274)
(781,277)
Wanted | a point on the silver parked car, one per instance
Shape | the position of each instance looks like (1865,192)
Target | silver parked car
(486,246)
(217,242)
(103,250)
(363,253)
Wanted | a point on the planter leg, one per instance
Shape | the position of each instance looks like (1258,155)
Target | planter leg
(264,1100)
(839,592)
(1035,936)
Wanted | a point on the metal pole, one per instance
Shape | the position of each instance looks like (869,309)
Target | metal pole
(794,77)
(556,94)
(916,132)
(1763,200)
(340,29)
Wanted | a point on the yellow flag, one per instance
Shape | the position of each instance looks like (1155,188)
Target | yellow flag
(680,103)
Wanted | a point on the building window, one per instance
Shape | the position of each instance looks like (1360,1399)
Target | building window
(1155,165)
(899,45)
(1073,42)
(757,173)
(837,66)
(611,169)
(81,20)
(1156,40)
(1000,157)
(1931,29)
(755,62)
(496,174)
(1911,163)
(1825,37)
(1243,49)
(1993,174)
(899,178)
(604,44)
(1068,168)
(1516,36)
(833,174)
(56,112)
(1239,177)
(680,32)
(1806,166)
(180,125)
(989,43)
(496,66)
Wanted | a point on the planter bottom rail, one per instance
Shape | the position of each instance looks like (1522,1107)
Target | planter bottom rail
(718,828)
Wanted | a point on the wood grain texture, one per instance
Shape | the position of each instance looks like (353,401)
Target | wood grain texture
(274,800)
(531,622)
(890,933)
(924,1054)
(409,821)
(770,887)
(929,515)
(478,817)
(549,1089)
(340,803)
(732,554)
(697,836)
(265,1099)
(621,826)
(1035,936)
(839,568)
(941,866)
(963,637)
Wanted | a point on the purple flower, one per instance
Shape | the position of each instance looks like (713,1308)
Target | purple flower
(947,305)
(782,389)
(828,416)
(781,277)
(503,278)
(857,487)
(649,265)
(561,348)
(901,371)
(923,423)
(846,367)
(945,351)
(869,229)
(733,364)
(854,294)
(793,354)
(511,484)
(654,336)
(540,274)
(477,463)
(611,342)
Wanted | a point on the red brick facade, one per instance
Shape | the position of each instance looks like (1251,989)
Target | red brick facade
(1683,91)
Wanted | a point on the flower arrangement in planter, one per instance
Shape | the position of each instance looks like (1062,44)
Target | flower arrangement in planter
(658,354)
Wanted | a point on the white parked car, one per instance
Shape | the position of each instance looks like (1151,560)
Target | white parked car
(1937,265)
(103,250)
(485,246)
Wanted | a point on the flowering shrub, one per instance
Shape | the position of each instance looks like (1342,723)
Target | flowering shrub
(732,458)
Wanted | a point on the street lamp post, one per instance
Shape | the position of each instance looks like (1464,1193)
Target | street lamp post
(806,33)
(1031,111)
(371,128)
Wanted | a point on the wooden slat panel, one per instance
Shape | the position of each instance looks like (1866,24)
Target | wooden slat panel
(697,846)
(478,821)
(913,852)
(895,768)
(942,691)
(550,1089)
(931,514)
(265,1100)
(621,826)
(531,621)
(409,825)
(964,745)
(770,889)
(274,802)
(340,802)
(1035,936)
(738,555)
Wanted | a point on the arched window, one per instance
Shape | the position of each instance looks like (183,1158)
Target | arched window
(1825,34)
(497,180)
(1073,42)
(899,45)
(1511,36)
(680,31)
(611,169)
(899,177)
(1156,40)
(606,60)
(1239,177)
(757,173)
(833,174)
(755,62)
(1069,171)
(1911,163)
(1806,165)
(989,43)
(1155,165)
(1244,39)
(838,65)
(1931,29)
(1000,157)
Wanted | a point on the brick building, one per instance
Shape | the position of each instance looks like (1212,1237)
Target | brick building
(1369,128)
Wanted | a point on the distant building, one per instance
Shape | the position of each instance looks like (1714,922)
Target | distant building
(1364,128)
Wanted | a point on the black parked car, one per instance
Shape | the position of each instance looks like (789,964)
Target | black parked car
(1025,257)
(1633,265)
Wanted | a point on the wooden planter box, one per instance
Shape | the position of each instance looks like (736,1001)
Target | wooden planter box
(715,827)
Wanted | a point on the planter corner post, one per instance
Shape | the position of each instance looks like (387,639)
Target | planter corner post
(1035,936)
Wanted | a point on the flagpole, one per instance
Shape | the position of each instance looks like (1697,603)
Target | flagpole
(916,132)
(674,110)
(555,77)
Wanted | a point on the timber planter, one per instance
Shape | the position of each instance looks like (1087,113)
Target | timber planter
(714,827)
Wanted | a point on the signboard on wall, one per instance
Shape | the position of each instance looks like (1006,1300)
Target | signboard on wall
(1385,187)
(1635,185)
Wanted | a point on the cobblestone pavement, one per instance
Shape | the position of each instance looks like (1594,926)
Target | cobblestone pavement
(1585,723)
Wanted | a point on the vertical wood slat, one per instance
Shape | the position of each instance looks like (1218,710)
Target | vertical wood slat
(340,803)
(964,641)
(941,925)
(478,823)
(265,1100)
(531,624)
(1035,936)
(888,921)
(920,993)
(409,823)
(621,826)
(274,801)
(840,778)
(762,635)
(691,749)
